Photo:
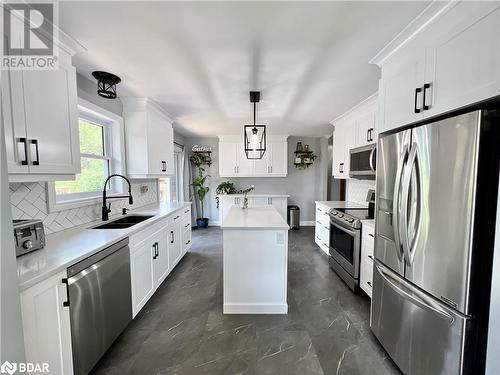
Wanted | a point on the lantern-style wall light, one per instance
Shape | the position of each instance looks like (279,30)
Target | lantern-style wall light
(106,84)
(255,135)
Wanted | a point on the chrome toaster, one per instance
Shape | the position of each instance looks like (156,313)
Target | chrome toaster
(29,236)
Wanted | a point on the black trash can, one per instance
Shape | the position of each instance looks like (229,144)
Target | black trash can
(293,217)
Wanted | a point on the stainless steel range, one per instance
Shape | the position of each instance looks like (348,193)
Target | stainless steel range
(345,243)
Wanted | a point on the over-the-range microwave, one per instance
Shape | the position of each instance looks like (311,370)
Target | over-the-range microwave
(363,162)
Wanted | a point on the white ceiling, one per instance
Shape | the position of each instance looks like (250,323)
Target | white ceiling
(199,60)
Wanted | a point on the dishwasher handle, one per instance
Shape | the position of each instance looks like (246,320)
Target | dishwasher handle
(66,303)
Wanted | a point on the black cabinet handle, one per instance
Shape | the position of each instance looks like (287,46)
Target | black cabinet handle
(37,161)
(24,141)
(187,225)
(418,90)
(186,211)
(425,106)
(341,167)
(163,166)
(371,257)
(187,243)
(175,218)
(66,303)
(370,134)
(371,235)
(171,236)
(369,283)
(157,249)
(154,251)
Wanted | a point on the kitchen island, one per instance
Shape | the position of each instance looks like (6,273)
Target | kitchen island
(255,256)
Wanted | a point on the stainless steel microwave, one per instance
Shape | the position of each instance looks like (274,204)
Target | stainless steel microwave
(363,162)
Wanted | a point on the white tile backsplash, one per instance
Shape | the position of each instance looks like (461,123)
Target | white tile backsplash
(28,201)
(358,189)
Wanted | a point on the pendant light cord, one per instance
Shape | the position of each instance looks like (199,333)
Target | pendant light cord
(254,104)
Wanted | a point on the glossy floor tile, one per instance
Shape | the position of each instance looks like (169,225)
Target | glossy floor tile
(182,330)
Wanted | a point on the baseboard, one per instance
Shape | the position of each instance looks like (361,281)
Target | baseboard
(307,223)
(255,308)
(213,223)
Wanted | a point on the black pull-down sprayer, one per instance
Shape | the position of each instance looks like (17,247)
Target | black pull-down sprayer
(105,209)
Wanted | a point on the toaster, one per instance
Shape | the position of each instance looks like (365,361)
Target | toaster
(29,236)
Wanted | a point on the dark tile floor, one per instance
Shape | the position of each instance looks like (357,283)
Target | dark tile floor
(182,330)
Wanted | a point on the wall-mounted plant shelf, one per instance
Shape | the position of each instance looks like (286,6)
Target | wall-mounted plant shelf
(201,158)
(303,159)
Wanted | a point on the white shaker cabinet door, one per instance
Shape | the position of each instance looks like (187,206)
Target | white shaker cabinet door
(463,61)
(400,90)
(51,110)
(278,154)
(227,159)
(141,272)
(46,325)
(161,263)
(245,165)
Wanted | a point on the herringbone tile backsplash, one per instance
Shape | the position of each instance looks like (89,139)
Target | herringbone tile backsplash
(29,201)
(358,189)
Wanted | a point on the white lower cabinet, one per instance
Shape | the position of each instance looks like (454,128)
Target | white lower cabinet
(154,252)
(46,325)
(366,269)
(142,274)
(322,229)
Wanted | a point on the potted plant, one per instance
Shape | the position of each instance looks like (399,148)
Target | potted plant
(201,192)
(196,159)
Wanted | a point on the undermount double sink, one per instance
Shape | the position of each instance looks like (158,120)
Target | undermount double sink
(124,222)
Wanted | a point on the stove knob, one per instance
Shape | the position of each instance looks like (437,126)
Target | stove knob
(341,215)
(27,244)
(335,213)
(351,220)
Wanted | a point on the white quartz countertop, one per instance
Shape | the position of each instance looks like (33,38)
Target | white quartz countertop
(254,217)
(70,246)
(341,204)
(256,195)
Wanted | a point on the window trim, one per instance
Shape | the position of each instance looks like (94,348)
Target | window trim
(115,145)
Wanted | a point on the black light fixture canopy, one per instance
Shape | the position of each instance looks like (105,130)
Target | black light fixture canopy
(255,135)
(106,84)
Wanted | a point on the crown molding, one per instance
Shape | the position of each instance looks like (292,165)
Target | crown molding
(421,22)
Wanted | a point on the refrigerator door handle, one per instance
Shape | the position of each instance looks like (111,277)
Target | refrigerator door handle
(416,297)
(395,202)
(403,219)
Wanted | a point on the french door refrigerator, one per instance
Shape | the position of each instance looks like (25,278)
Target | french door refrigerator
(436,204)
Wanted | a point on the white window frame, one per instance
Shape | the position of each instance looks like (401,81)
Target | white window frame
(115,153)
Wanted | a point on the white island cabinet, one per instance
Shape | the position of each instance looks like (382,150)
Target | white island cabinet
(278,201)
(255,253)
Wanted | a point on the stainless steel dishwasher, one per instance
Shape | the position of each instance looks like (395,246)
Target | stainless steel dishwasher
(100,302)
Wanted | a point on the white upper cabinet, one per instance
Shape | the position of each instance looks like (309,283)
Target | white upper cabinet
(463,59)
(234,163)
(149,139)
(356,128)
(400,92)
(447,58)
(40,112)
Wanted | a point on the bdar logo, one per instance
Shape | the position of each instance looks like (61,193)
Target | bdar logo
(8,368)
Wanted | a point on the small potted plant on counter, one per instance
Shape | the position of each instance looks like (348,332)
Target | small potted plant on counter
(201,192)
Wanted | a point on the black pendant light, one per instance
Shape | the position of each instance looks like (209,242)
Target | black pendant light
(106,84)
(255,135)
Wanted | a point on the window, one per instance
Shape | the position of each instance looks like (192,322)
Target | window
(95,157)
(102,153)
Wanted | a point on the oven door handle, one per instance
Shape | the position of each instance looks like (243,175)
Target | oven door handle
(352,232)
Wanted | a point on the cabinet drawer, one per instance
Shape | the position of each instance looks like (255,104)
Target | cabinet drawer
(323,245)
(322,233)
(322,217)
(366,276)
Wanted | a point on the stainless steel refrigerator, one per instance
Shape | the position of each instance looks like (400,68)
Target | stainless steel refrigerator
(436,205)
